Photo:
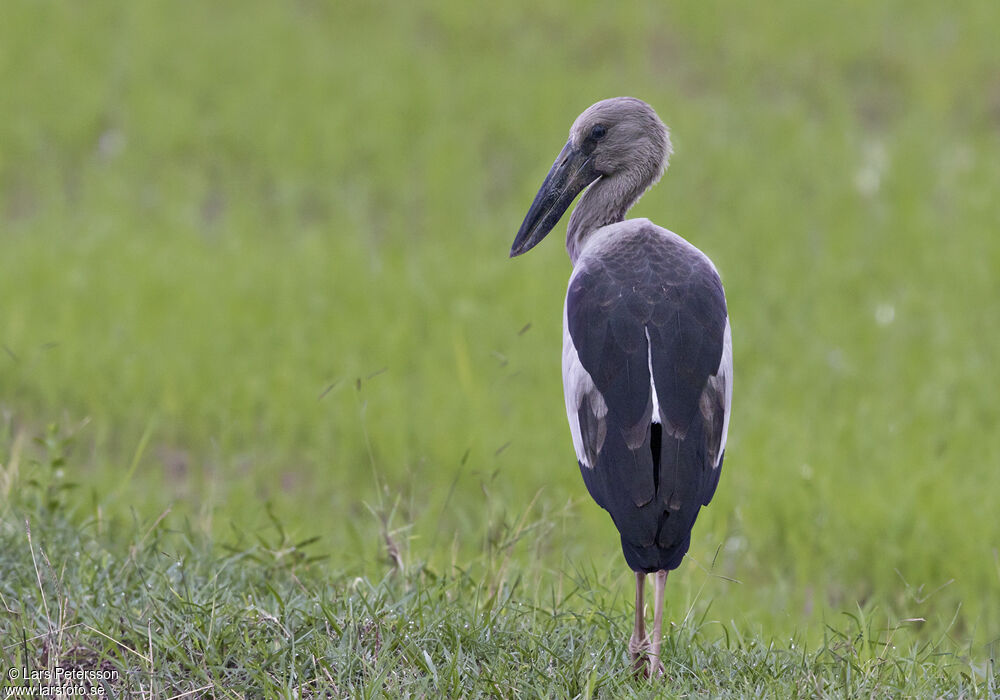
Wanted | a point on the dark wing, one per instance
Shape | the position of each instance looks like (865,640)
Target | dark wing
(648,311)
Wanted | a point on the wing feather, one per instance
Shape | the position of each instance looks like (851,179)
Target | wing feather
(646,323)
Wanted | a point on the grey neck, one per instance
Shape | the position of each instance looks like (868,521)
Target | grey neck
(605,202)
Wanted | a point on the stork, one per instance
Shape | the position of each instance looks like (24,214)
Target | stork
(647,353)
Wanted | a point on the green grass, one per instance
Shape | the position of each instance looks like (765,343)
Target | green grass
(166,613)
(253,271)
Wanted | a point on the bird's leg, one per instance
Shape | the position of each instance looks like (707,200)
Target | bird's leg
(638,644)
(655,665)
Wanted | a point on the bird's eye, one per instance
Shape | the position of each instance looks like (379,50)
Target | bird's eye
(598,132)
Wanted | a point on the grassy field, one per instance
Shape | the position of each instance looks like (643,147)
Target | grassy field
(282,416)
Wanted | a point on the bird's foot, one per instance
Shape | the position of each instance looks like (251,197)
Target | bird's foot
(638,651)
(655,668)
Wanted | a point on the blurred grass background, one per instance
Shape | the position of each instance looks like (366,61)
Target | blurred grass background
(258,252)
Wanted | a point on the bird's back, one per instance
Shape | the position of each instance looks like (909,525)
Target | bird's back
(647,369)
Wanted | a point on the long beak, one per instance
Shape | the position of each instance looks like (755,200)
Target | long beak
(570,175)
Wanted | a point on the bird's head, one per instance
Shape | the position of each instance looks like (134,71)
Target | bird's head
(620,138)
